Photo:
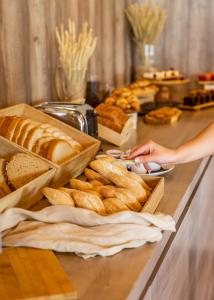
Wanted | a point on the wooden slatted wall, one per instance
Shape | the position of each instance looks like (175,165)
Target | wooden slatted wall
(28,55)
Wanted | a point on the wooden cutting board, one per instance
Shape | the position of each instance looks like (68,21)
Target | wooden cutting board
(33,274)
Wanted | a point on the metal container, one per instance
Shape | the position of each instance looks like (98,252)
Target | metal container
(80,116)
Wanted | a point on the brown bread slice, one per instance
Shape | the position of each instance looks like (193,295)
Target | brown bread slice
(3,183)
(22,168)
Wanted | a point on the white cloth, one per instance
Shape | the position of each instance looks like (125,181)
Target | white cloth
(84,232)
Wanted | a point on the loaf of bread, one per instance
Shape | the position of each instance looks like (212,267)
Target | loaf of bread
(92,175)
(57,197)
(114,205)
(111,116)
(80,184)
(133,186)
(42,139)
(96,183)
(89,201)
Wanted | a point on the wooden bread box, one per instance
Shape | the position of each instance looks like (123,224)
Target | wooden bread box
(71,168)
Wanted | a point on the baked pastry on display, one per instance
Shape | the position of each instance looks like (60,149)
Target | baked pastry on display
(118,190)
(164,115)
(162,75)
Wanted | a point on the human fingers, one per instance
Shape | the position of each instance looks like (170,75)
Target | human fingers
(145,159)
(141,150)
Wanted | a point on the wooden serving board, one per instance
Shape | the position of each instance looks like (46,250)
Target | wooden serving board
(33,274)
(157,185)
(196,107)
(170,82)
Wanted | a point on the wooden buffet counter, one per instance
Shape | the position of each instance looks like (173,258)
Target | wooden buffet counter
(181,265)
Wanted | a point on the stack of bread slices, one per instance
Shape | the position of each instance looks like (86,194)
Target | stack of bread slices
(108,188)
(17,171)
(42,139)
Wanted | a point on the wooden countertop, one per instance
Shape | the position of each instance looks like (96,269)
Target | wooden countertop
(127,274)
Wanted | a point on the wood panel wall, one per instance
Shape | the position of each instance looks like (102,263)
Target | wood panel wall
(28,55)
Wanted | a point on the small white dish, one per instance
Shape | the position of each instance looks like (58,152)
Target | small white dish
(158,173)
(154,167)
(114,153)
(138,169)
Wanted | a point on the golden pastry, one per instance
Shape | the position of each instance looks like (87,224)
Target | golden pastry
(57,197)
(108,191)
(110,100)
(67,190)
(80,185)
(134,186)
(131,203)
(88,201)
(92,175)
(113,205)
(96,183)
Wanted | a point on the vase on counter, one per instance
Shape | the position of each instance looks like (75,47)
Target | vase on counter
(71,88)
(146,58)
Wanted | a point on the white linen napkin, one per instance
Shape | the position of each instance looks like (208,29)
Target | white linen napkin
(84,232)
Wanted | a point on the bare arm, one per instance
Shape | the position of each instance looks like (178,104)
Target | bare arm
(200,146)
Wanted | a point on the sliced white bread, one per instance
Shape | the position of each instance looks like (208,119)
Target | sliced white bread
(60,135)
(22,168)
(3,183)
(5,124)
(40,142)
(11,128)
(33,135)
(59,151)
(1,120)
(22,122)
(24,133)
(44,148)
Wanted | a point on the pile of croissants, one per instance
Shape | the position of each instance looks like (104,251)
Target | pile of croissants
(107,188)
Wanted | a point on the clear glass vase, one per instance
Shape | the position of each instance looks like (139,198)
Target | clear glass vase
(146,58)
(71,87)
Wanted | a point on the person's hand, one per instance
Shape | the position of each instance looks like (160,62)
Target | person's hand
(152,152)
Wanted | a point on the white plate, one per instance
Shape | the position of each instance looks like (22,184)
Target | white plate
(158,173)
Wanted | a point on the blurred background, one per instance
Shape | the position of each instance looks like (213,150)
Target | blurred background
(28,49)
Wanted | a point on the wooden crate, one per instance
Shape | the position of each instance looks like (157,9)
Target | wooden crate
(114,137)
(29,274)
(30,193)
(157,184)
(73,167)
